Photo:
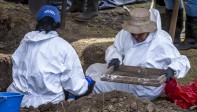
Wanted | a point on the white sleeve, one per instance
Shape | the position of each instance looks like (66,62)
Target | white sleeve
(179,63)
(169,56)
(73,79)
(115,50)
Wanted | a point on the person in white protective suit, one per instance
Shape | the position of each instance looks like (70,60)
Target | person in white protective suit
(142,43)
(44,64)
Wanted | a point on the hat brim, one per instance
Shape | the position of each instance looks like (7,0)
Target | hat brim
(150,27)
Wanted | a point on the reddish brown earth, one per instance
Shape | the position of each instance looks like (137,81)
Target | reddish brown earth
(90,39)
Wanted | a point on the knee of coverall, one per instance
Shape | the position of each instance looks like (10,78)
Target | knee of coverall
(170,4)
(191,7)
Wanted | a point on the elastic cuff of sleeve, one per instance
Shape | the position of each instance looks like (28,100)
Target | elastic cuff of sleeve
(71,97)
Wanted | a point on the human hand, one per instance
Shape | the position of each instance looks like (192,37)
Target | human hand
(91,84)
(114,62)
(169,74)
(90,80)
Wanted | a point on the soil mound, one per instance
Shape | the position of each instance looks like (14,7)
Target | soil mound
(115,101)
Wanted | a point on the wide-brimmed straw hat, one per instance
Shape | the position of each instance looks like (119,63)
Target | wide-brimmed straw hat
(139,22)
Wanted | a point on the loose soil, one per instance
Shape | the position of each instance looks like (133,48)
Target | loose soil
(90,39)
(114,101)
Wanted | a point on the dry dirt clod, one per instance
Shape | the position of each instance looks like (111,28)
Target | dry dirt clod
(111,108)
(105,111)
(120,99)
(120,104)
(113,100)
(133,105)
(150,108)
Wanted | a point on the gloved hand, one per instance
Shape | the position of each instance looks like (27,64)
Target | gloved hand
(114,62)
(169,74)
(89,79)
(91,84)
(71,97)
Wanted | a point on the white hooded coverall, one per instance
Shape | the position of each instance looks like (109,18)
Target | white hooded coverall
(157,51)
(43,66)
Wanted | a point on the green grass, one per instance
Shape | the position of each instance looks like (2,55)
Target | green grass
(192,74)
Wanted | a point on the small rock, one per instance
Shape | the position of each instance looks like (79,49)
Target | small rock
(113,100)
(120,99)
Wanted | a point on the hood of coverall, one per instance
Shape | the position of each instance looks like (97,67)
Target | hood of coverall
(36,36)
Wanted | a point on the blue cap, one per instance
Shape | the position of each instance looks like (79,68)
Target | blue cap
(50,11)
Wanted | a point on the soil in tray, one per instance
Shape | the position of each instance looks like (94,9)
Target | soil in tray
(130,74)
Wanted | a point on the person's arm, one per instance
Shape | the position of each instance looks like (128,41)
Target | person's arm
(180,65)
(171,56)
(91,84)
(115,51)
(73,79)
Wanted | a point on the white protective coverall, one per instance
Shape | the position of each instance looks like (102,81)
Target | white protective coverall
(157,51)
(44,65)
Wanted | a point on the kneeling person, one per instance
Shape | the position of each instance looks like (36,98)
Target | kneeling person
(141,43)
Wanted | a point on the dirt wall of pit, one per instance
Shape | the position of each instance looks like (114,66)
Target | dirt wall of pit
(92,50)
(5,71)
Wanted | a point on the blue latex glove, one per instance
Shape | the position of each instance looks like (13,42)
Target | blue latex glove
(71,96)
(89,79)
(91,84)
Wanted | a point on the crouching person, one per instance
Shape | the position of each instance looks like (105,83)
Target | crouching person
(44,64)
(141,43)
